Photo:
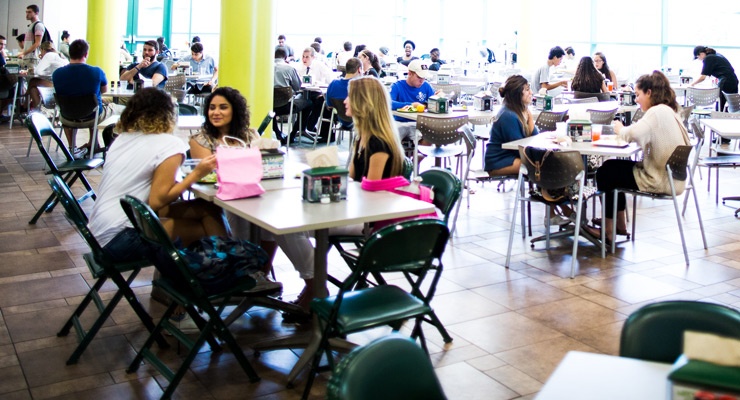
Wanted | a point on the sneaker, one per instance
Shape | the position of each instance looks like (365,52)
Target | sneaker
(79,153)
(264,284)
(557,220)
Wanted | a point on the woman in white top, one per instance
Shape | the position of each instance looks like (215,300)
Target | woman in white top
(50,61)
(658,133)
(143,162)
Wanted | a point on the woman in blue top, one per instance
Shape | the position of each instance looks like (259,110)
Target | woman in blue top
(514,122)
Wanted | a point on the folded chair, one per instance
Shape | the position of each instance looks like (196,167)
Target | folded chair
(678,170)
(555,170)
(179,282)
(385,251)
(69,170)
(101,268)
(655,331)
(391,367)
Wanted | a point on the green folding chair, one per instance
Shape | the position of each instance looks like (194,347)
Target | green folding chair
(184,288)
(387,250)
(101,268)
(389,368)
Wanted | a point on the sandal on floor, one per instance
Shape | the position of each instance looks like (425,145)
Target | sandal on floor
(620,232)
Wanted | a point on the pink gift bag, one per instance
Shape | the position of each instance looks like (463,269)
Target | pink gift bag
(239,172)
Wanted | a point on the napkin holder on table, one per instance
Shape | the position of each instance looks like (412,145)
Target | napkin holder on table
(438,105)
(483,101)
(709,368)
(324,181)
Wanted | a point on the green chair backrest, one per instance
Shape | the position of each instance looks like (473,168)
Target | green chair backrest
(186,109)
(40,127)
(406,246)
(655,331)
(76,216)
(392,367)
(167,258)
(446,186)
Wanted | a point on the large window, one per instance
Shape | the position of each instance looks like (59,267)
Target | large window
(200,18)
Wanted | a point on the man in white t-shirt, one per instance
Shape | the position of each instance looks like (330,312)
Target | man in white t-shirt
(32,41)
(541,79)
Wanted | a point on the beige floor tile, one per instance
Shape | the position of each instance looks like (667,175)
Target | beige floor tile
(463,382)
(515,380)
(633,288)
(540,359)
(503,332)
(520,293)
(572,315)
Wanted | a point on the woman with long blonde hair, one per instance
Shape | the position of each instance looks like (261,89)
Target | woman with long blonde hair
(377,151)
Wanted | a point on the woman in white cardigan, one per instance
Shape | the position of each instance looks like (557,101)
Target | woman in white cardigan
(658,133)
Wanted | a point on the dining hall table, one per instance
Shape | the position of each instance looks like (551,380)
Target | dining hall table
(281,210)
(727,128)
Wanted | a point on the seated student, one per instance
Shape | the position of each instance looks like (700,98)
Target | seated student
(514,122)
(201,64)
(143,162)
(287,76)
(50,62)
(338,88)
(376,154)
(414,91)
(658,133)
(587,78)
(407,57)
(436,61)
(370,63)
(77,79)
(149,67)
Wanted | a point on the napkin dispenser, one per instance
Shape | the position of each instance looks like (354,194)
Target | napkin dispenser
(307,79)
(273,163)
(483,101)
(13,68)
(627,98)
(696,379)
(543,102)
(438,105)
(444,79)
(579,130)
(325,184)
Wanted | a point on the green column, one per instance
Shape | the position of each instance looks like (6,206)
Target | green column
(104,29)
(246,52)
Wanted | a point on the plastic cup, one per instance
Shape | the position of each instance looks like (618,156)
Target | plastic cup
(610,86)
(595,132)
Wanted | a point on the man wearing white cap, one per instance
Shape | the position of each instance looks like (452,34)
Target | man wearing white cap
(414,91)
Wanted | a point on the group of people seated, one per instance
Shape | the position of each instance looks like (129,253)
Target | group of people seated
(144,160)
(658,133)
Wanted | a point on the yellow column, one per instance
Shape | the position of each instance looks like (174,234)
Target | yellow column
(104,35)
(246,52)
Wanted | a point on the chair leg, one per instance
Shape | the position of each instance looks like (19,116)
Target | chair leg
(48,207)
(698,213)
(434,320)
(513,220)
(678,219)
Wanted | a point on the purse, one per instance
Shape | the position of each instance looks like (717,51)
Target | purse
(239,171)
(399,185)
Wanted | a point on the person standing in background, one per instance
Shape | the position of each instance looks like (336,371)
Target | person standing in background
(32,39)
(64,45)
(716,65)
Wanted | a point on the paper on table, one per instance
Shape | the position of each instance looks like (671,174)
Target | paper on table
(266,144)
(711,348)
(323,157)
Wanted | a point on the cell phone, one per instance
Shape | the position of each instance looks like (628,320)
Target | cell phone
(266,122)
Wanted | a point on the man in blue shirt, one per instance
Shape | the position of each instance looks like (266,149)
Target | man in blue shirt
(414,91)
(149,67)
(339,88)
(77,79)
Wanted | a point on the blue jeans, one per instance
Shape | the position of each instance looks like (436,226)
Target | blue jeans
(127,246)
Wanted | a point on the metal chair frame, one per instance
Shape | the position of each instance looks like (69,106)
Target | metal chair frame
(678,168)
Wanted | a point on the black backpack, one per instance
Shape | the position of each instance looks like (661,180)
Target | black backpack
(46,37)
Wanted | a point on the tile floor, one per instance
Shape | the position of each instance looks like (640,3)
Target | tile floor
(510,327)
